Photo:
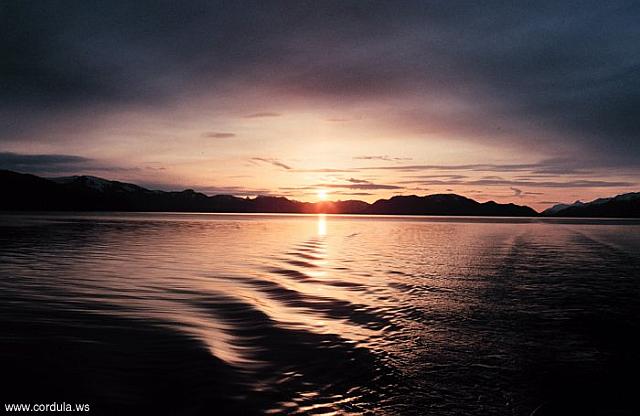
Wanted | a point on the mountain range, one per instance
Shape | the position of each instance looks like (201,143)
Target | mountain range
(25,192)
(621,206)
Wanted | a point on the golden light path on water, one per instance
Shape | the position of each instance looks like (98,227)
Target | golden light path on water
(322,225)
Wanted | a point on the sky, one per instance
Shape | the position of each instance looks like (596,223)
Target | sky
(527,102)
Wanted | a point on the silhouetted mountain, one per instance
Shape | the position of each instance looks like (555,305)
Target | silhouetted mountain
(88,193)
(29,192)
(559,207)
(621,206)
(446,204)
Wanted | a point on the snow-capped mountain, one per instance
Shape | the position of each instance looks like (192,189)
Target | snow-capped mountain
(621,206)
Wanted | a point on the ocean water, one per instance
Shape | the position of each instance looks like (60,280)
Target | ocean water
(269,314)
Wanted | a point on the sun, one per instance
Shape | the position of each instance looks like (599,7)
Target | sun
(322,194)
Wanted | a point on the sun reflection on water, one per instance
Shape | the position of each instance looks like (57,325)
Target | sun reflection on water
(322,224)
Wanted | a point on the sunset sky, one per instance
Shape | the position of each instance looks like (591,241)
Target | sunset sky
(532,103)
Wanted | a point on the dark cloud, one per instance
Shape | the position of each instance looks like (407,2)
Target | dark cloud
(578,183)
(534,73)
(56,164)
(519,193)
(231,190)
(218,135)
(38,163)
(272,161)
(557,166)
(354,180)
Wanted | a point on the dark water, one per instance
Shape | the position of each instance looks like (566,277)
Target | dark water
(248,314)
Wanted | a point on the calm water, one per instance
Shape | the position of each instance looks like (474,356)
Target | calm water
(204,314)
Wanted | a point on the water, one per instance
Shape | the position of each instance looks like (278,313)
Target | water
(242,314)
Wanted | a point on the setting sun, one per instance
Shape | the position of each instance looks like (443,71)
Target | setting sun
(322,194)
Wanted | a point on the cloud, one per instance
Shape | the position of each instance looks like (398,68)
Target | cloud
(578,183)
(363,186)
(37,163)
(239,191)
(272,161)
(333,193)
(262,115)
(519,193)
(58,164)
(218,135)
(354,180)
(447,176)
(326,170)
(356,193)
(386,158)
(555,166)
(231,190)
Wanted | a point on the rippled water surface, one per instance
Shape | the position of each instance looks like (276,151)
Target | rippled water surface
(242,314)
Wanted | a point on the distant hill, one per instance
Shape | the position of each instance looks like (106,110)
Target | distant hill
(621,206)
(446,204)
(559,207)
(21,192)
